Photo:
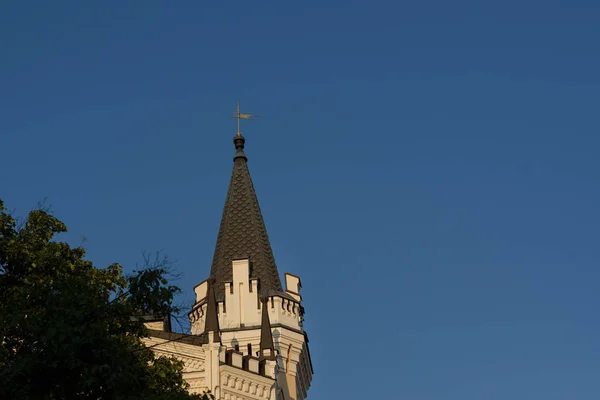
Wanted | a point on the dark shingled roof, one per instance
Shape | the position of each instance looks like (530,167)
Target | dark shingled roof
(195,340)
(212,317)
(242,233)
(266,336)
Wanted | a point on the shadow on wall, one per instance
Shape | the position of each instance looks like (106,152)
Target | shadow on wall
(235,344)
(276,336)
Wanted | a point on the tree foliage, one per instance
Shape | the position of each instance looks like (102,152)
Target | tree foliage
(66,326)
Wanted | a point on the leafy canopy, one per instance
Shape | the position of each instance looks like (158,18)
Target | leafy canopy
(66,326)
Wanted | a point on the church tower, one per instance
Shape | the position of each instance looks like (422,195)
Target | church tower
(248,323)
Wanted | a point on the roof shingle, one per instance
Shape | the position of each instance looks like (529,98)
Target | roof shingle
(242,233)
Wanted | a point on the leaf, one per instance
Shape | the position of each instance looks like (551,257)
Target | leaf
(66,325)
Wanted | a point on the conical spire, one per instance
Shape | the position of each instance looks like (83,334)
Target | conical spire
(267,348)
(212,317)
(242,233)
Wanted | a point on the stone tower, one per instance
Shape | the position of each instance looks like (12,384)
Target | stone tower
(247,338)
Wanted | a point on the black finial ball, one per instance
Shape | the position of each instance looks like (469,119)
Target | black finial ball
(239,141)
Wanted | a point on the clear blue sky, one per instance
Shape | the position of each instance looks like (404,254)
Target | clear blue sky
(429,168)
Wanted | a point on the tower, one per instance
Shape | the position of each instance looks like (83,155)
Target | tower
(256,315)
(247,339)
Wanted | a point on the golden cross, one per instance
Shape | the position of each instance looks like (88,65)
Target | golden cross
(239,116)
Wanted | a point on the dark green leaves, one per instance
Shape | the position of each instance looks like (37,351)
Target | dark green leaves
(66,326)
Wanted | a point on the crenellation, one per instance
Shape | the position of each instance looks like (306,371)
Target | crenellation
(253,364)
(241,295)
(236,359)
(200,290)
(293,285)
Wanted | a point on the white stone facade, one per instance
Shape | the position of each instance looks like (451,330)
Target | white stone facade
(233,368)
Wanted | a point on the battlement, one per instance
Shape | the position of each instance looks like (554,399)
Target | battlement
(241,308)
(293,285)
(240,320)
(248,363)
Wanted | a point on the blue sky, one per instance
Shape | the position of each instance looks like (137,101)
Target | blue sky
(430,169)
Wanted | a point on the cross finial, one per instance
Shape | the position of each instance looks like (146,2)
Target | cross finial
(239,116)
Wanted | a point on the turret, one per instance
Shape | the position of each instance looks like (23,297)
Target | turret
(258,321)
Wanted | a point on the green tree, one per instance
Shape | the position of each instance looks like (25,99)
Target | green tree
(66,326)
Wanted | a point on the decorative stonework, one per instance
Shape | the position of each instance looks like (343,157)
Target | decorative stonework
(190,364)
(192,356)
(244,386)
(197,386)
